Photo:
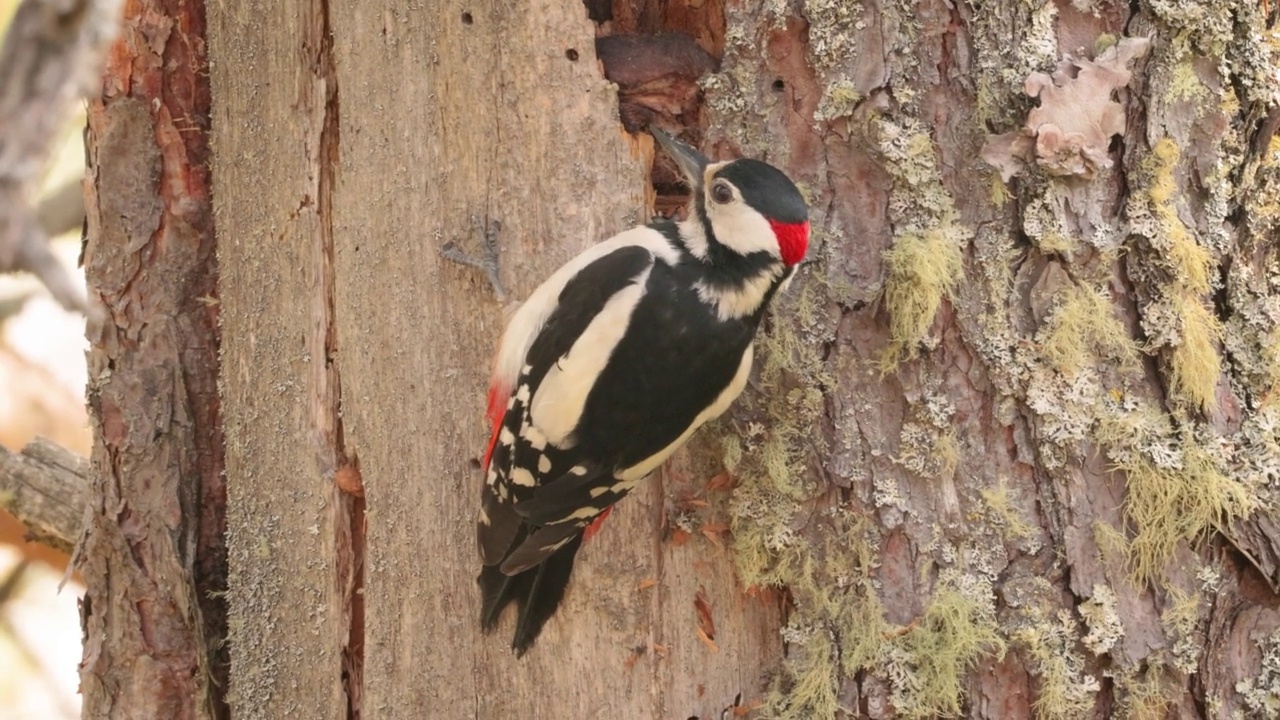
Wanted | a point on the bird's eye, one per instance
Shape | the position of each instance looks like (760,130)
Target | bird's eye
(721,192)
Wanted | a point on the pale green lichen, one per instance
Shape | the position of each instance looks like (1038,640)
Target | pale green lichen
(1004,514)
(833,26)
(1181,621)
(1103,620)
(1002,70)
(839,99)
(928,452)
(925,264)
(1261,693)
(1064,691)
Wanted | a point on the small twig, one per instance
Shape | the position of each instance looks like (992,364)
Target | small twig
(46,488)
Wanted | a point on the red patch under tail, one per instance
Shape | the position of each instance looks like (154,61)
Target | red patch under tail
(594,527)
(497,409)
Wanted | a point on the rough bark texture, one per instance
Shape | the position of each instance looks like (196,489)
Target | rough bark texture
(1011,447)
(153,555)
(1003,424)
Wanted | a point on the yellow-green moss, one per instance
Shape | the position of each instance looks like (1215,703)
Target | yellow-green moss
(923,269)
(1184,83)
(927,663)
(1144,695)
(999,191)
(1113,546)
(1191,262)
(1194,363)
(1083,327)
(1010,520)
(1064,691)
(1174,503)
(809,687)
(1056,243)
(833,585)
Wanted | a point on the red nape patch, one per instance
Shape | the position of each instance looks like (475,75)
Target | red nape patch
(793,240)
(497,408)
(594,527)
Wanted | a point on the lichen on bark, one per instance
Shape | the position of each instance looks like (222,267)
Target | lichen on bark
(1099,332)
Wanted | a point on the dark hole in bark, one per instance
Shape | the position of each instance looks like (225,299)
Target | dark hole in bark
(779,85)
(466,18)
(571,54)
(656,51)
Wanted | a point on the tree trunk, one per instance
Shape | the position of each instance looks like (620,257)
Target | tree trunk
(1011,446)
(153,556)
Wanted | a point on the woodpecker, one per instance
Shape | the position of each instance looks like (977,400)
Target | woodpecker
(614,362)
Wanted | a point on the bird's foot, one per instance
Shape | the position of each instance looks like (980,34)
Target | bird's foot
(488,232)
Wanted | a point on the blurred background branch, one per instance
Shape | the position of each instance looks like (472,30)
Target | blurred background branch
(51,57)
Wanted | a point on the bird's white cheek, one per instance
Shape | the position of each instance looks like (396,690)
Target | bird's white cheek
(742,229)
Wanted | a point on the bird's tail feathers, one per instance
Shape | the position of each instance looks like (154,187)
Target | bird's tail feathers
(537,593)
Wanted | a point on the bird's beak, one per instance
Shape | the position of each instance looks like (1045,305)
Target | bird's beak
(691,162)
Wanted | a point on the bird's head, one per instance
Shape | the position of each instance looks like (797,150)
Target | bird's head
(748,206)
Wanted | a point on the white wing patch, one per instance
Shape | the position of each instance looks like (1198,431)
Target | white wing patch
(630,476)
(529,319)
(522,477)
(558,403)
(534,437)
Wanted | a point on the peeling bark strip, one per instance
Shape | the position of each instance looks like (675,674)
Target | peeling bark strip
(154,559)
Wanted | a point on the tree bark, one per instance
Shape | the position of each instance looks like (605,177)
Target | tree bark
(153,556)
(1011,446)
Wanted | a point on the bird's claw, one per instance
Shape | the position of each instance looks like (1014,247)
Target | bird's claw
(488,232)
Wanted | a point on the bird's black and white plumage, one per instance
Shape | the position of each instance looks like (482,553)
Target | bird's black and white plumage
(614,362)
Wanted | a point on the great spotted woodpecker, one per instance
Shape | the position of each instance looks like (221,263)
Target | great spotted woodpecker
(615,361)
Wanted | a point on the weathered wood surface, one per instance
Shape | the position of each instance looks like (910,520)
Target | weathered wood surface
(152,557)
(286,521)
(416,122)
